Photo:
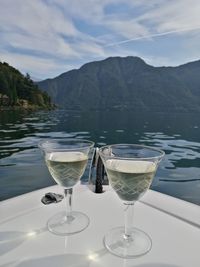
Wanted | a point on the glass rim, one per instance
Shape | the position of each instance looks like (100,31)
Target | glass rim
(162,153)
(41,142)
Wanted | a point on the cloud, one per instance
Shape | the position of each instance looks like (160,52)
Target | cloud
(172,15)
(36,26)
(127,28)
(36,67)
(35,18)
(150,36)
(48,36)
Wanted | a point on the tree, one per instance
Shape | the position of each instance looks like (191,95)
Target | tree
(28,77)
(17,86)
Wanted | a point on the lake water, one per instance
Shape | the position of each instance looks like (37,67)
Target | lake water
(22,167)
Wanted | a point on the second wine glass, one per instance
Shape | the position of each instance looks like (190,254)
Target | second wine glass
(66,160)
(130,169)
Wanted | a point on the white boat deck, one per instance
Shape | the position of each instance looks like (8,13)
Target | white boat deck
(173,224)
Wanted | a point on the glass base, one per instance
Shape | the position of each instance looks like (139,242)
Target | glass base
(73,223)
(138,244)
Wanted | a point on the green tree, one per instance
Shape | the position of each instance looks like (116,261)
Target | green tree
(17,86)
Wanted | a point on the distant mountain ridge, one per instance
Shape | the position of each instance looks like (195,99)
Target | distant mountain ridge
(127,83)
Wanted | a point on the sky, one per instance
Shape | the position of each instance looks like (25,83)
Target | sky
(48,37)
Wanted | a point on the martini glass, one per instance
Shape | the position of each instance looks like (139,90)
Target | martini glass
(130,170)
(66,160)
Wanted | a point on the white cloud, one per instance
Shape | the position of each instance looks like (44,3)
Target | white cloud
(172,15)
(36,67)
(36,27)
(43,35)
(127,28)
(35,17)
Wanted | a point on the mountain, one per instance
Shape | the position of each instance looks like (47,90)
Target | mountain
(19,91)
(127,83)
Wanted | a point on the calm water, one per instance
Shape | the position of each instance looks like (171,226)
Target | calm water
(22,168)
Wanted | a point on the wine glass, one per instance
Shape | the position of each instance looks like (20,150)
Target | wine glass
(130,169)
(66,160)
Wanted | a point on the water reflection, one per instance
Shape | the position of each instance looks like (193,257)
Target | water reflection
(177,134)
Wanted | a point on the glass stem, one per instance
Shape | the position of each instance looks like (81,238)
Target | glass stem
(128,212)
(68,200)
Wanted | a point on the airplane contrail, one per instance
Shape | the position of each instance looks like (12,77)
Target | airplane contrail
(153,35)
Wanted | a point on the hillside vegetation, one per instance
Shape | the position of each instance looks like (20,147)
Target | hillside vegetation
(127,83)
(17,90)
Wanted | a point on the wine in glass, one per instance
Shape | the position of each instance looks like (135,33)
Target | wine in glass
(66,160)
(130,169)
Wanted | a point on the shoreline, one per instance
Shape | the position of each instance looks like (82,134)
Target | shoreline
(27,108)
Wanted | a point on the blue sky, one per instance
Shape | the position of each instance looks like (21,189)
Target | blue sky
(48,37)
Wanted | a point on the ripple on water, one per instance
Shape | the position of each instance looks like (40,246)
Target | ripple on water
(83,133)
(55,135)
(31,119)
(20,152)
(178,151)
(119,131)
(7,131)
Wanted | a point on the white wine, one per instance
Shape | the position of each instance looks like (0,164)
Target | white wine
(66,167)
(130,179)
